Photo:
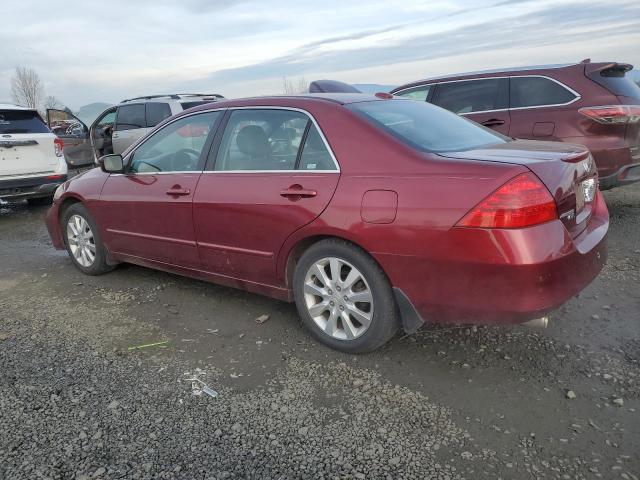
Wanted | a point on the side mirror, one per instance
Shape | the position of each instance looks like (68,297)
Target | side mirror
(111,163)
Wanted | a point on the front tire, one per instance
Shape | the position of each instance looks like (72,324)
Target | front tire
(344,298)
(83,242)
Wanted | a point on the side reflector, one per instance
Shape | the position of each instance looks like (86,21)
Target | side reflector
(521,202)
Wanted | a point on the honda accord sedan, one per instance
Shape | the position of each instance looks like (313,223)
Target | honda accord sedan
(371,213)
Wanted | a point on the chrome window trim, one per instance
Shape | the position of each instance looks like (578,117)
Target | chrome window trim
(252,107)
(571,90)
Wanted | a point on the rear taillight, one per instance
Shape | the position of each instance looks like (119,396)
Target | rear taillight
(58,146)
(521,202)
(613,114)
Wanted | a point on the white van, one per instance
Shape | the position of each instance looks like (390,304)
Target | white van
(32,163)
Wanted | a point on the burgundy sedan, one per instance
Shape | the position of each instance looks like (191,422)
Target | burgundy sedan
(371,213)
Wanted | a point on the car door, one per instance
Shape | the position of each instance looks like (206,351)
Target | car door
(147,211)
(272,173)
(75,135)
(101,131)
(130,126)
(483,100)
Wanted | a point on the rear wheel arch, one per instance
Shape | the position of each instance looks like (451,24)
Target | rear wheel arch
(296,252)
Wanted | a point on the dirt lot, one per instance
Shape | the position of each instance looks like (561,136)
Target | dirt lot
(446,403)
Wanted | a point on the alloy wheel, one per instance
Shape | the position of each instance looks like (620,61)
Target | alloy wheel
(81,241)
(338,298)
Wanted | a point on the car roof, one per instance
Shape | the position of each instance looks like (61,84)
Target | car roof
(529,68)
(11,106)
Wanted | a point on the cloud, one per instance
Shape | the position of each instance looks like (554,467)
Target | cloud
(87,51)
(553,26)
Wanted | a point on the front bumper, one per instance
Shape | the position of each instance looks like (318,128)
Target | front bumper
(30,187)
(52,220)
(487,276)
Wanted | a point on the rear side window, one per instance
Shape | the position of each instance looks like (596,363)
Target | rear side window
(130,117)
(188,105)
(21,121)
(156,112)
(416,93)
(262,139)
(538,91)
(470,96)
(315,155)
(425,127)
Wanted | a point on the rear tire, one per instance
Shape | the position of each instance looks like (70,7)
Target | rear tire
(83,242)
(344,298)
(40,201)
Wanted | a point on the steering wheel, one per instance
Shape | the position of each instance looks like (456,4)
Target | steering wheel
(185,160)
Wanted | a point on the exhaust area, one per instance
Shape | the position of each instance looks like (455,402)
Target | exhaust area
(541,322)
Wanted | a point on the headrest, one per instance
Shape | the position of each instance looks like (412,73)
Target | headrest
(253,141)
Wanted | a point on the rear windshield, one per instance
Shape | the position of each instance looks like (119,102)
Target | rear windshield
(618,82)
(426,127)
(21,121)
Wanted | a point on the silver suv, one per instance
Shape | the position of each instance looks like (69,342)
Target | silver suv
(118,127)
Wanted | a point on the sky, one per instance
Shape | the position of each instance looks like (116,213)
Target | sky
(87,51)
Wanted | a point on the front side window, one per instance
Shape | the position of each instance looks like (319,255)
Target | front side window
(261,139)
(417,93)
(470,96)
(156,112)
(538,91)
(426,127)
(130,117)
(176,147)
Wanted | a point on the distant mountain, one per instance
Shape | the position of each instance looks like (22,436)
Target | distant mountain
(88,113)
(373,87)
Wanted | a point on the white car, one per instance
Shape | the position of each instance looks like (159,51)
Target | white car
(32,163)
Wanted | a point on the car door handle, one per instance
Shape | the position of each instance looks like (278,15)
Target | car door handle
(493,122)
(178,192)
(296,191)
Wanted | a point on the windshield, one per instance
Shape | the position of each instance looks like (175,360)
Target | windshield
(426,127)
(21,121)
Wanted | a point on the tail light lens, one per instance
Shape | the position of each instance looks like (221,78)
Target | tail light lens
(521,202)
(58,145)
(613,114)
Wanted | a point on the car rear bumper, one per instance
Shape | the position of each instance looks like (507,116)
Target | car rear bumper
(625,176)
(30,187)
(501,276)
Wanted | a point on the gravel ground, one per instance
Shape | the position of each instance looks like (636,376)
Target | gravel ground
(446,403)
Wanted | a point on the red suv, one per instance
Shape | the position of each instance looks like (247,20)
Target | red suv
(593,104)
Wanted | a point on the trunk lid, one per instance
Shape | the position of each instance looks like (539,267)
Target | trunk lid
(26,144)
(27,154)
(616,78)
(567,170)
